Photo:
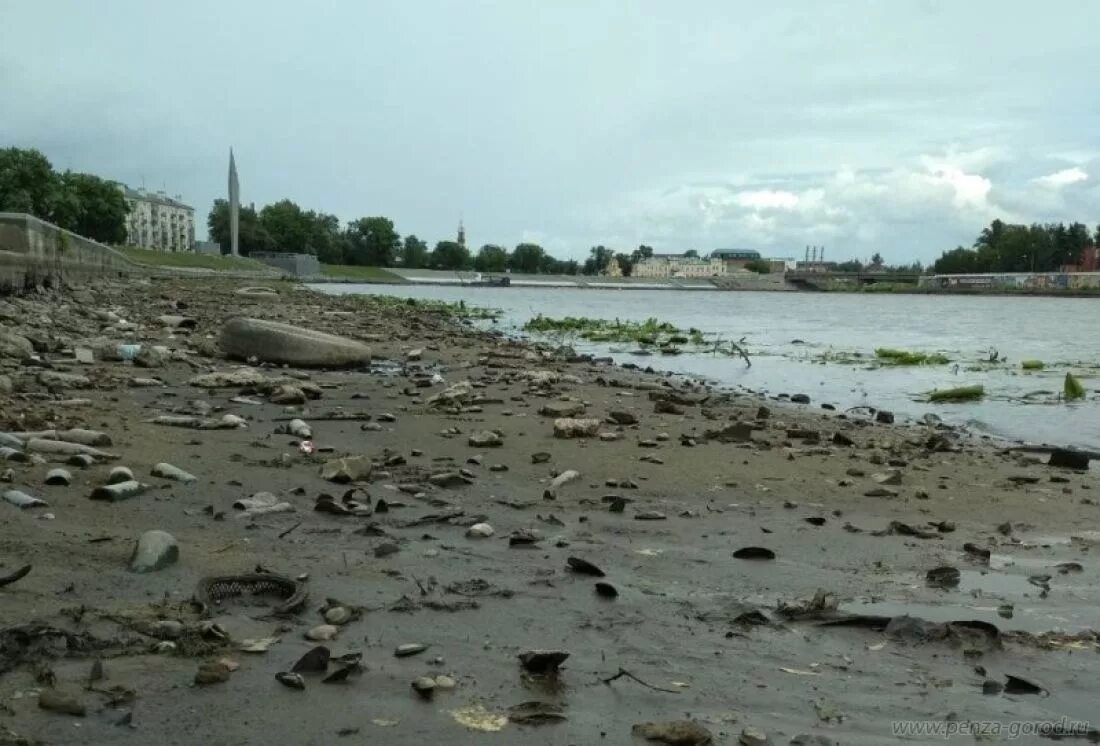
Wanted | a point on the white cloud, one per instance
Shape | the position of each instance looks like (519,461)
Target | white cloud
(1062,178)
(765,199)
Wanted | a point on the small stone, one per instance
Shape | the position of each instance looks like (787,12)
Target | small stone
(650,515)
(884,417)
(498,467)
(540,458)
(620,417)
(338,615)
(58,477)
(892,477)
(323,632)
(414,355)
(412,648)
(387,417)
(150,356)
(174,473)
(290,680)
(212,672)
(800,399)
(674,733)
(386,549)
(424,686)
(753,737)
(287,395)
(56,701)
(880,492)
(120,474)
(485,439)
(573,428)
(562,409)
(348,469)
(445,682)
(480,531)
(154,550)
(609,437)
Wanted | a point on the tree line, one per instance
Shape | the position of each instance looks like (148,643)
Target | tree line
(374,241)
(82,203)
(1006,247)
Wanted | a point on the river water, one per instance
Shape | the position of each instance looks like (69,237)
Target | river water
(803,342)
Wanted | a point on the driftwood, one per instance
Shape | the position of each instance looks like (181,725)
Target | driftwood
(19,574)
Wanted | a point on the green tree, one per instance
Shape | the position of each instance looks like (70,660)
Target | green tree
(691,254)
(598,259)
(527,258)
(450,255)
(288,226)
(852,265)
(491,258)
(414,254)
(876,259)
(96,208)
(27,183)
(759,266)
(626,264)
(252,237)
(643,252)
(325,238)
(372,242)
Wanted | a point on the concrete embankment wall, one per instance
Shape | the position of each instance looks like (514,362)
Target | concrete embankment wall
(34,252)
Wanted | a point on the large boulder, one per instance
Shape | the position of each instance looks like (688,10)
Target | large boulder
(273,342)
(15,345)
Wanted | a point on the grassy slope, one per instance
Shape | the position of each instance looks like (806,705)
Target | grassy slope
(189,259)
(362,274)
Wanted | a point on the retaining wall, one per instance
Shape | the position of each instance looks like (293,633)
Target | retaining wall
(34,252)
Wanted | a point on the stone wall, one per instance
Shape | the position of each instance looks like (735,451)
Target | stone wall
(34,252)
(295,265)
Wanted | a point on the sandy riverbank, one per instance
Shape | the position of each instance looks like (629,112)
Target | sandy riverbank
(683,620)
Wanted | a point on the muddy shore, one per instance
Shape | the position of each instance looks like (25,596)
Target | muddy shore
(677,480)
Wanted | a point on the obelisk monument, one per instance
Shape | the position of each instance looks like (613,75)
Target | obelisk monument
(234,207)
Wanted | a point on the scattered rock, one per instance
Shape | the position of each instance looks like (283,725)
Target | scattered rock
(606,590)
(287,395)
(584,567)
(883,417)
(165,470)
(753,737)
(274,342)
(212,672)
(674,733)
(880,492)
(424,686)
(347,469)
(480,531)
(120,474)
(1067,459)
(620,417)
(562,409)
(150,356)
(291,680)
(154,550)
(62,702)
(892,477)
(943,577)
(735,432)
(800,398)
(322,633)
(486,439)
(315,661)
(119,491)
(573,428)
(412,648)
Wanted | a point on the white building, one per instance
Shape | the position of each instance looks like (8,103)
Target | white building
(157,221)
(678,265)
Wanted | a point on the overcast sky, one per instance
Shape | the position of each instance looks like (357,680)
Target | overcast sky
(899,126)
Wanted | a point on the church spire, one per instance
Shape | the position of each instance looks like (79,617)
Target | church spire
(461,234)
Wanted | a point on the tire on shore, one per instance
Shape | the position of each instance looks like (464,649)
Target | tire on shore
(274,342)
